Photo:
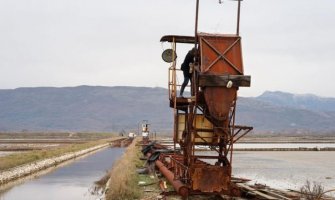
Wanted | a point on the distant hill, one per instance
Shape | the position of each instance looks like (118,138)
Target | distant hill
(83,108)
(270,117)
(305,101)
(95,108)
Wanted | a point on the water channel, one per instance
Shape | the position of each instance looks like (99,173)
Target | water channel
(72,181)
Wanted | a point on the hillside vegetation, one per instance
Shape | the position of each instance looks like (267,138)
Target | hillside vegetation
(110,109)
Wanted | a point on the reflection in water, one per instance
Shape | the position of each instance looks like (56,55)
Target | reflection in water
(72,181)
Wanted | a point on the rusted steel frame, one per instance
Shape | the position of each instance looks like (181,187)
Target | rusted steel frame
(214,148)
(242,135)
(210,80)
(228,61)
(193,145)
(176,157)
(231,46)
(180,170)
(204,130)
(175,126)
(232,129)
(180,187)
(195,83)
(220,127)
(216,60)
(165,155)
(192,130)
(172,85)
(175,111)
(222,55)
(231,124)
(247,129)
(243,127)
(179,163)
(188,139)
(170,81)
(213,63)
(232,65)
(225,148)
(174,48)
(208,157)
(194,92)
(201,109)
(176,169)
(222,148)
(181,175)
(202,138)
(171,71)
(230,147)
(233,112)
(178,39)
(208,116)
(240,128)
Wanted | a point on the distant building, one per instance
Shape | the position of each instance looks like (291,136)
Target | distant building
(131,135)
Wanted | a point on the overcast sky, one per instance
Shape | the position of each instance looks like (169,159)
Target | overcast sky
(288,45)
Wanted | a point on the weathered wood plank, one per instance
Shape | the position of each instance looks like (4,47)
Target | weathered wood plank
(275,194)
(222,80)
(257,192)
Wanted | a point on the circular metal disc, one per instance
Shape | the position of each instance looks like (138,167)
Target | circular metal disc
(169,55)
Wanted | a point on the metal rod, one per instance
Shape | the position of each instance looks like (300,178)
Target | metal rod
(196,24)
(238,18)
(242,135)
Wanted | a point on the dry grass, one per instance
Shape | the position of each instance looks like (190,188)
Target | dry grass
(17,159)
(313,191)
(124,179)
(101,183)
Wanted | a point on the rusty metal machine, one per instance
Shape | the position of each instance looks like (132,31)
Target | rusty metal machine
(207,117)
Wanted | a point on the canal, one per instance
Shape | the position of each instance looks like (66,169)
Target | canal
(72,181)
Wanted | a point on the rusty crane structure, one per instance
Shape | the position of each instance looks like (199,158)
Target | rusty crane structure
(207,117)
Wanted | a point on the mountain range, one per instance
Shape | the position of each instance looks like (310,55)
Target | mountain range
(112,109)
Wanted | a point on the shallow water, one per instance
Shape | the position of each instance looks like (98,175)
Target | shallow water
(5,153)
(72,181)
(285,169)
(283,145)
